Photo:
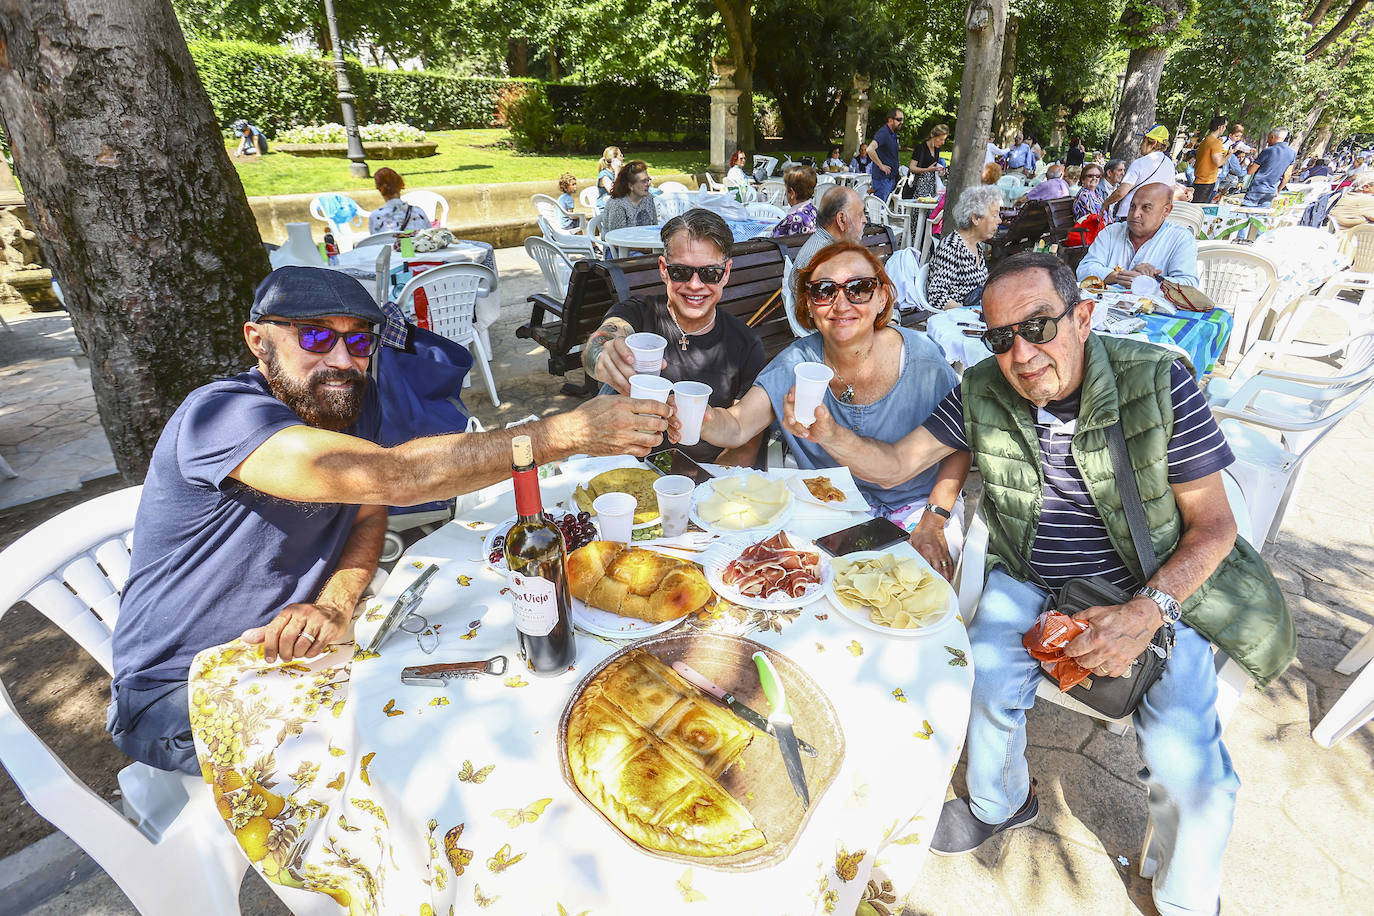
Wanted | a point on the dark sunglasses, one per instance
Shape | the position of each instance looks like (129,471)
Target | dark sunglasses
(315,338)
(1036,330)
(710,274)
(858,290)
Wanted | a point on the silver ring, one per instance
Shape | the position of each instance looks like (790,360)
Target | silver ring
(306,635)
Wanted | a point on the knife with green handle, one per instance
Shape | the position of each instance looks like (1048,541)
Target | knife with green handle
(695,677)
(780,720)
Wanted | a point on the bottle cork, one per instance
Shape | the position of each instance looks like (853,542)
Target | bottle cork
(522,450)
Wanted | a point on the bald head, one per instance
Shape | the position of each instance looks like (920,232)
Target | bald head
(841,213)
(1149,207)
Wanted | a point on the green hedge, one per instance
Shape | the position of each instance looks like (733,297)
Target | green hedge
(276,89)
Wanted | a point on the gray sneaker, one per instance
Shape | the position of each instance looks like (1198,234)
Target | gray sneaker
(960,831)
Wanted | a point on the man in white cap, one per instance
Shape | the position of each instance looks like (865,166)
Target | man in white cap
(265,503)
(1153,167)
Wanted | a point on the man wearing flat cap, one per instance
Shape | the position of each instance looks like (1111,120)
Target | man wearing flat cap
(264,508)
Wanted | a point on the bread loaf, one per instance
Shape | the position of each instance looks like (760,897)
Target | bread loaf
(634,582)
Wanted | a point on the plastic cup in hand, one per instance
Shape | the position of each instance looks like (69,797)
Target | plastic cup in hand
(650,388)
(674,494)
(812,381)
(690,398)
(648,350)
(1144,286)
(615,516)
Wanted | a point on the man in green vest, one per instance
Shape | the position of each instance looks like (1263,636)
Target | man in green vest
(1035,419)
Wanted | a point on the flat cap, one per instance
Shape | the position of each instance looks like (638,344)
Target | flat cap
(299,293)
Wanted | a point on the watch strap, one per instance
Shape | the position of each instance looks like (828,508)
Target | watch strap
(938,510)
(1169,607)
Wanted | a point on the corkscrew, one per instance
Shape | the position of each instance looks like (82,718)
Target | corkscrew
(428,675)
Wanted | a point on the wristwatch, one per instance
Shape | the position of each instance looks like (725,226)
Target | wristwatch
(1169,608)
(943,513)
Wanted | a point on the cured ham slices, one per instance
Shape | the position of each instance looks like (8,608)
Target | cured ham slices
(774,567)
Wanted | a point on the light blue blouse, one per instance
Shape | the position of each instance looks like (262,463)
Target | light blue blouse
(925,379)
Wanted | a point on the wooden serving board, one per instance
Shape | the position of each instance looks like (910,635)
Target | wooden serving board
(758,778)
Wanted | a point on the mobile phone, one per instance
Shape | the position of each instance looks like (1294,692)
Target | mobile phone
(676,461)
(874,534)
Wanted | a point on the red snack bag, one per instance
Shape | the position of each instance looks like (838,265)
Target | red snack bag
(1045,641)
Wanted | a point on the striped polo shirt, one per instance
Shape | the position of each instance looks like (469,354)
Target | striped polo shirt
(1071,540)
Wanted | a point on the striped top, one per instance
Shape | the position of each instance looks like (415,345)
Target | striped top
(1071,540)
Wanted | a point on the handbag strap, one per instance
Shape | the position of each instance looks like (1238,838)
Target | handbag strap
(1130,504)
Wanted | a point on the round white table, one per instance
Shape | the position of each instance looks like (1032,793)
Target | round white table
(917,211)
(411,798)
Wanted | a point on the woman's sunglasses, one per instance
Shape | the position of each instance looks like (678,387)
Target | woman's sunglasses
(315,338)
(1036,330)
(858,290)
(711,274)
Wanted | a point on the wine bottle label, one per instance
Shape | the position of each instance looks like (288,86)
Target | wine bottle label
(536,604)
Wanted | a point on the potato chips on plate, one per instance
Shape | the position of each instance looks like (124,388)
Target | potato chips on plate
(748,502)
(893,593)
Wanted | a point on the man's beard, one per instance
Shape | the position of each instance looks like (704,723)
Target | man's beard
(333,409)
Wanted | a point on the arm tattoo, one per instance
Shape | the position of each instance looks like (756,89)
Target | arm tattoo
(612,329)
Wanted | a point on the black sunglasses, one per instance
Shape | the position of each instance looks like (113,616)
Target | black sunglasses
(1039,330)
(316,338)
(710,274)
(858,290)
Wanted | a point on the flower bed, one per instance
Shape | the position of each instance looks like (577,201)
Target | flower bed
(373,150)
(380,141)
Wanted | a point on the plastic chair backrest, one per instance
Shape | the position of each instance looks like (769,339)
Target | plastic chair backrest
(547,208)
(382,288)
(875,211)
(671,204)
(594,227)
(553,264)
(789,297)
(1358,245)
(576,246)
(344,233)
(1190,221)
(821,188)
(435,206)
(775,190)
(1239,282)
(758,210)
(378,238)
(587,196)
(674,187)
(451,291)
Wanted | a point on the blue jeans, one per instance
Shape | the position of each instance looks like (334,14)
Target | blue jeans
(154,726)
(1259,198)
(882,183)
(1187,774)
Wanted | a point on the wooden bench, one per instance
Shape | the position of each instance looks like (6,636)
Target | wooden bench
(1061,219)
(1030,224)
(756,269)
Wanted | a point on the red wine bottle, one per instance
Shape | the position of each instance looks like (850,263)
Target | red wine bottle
(537,558)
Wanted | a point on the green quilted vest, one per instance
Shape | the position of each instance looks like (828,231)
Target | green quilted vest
(1239,608)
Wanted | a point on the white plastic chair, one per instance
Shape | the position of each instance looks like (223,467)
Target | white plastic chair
(670,205)
(909,277)
(382,287)
(594,227)
(378,238)
(674,187)
(759,210)
(553,264)
(1188,216)
(774,191)
(821,187)
(344,233)
(587,197)
(1270,472)
(168,849)
(1239,282)
(1358,245)
(714,185)
(452,291)
(789,297)
(435,206)
(1352,357)
(574,246)
(550,209)
(875,211)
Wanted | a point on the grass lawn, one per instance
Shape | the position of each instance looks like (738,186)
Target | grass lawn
(464,157)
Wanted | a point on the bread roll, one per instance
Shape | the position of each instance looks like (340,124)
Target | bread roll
(634,582)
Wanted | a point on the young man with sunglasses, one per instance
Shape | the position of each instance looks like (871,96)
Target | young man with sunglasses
(264,507)
(1034,418)
(705,344)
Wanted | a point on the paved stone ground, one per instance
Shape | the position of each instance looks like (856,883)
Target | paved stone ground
(1302,836)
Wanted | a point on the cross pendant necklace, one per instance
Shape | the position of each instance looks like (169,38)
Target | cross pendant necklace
(682,341)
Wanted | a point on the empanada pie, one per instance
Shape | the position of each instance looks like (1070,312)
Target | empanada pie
(646,749)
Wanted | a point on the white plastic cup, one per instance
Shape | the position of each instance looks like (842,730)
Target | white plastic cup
(615,516)
(648,350)
(812,379)
(674,494)
(650,387)
(691,399)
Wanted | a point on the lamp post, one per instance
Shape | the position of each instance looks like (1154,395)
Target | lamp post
(357,159)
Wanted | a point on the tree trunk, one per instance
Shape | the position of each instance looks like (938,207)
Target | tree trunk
(555,72)
(739,33)
(1006,86)
(1136,113)
(1318,13)
(1337,30)
(518,57)
(141,216)
(985,24)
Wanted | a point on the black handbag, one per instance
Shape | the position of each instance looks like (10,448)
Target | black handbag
(1113,697)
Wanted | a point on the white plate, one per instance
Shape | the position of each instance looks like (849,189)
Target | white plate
(724,551)
(705,490)
(864,617)
(840,479)
(613,626)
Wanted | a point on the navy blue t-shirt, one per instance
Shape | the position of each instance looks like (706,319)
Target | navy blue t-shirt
(212,556)
(1071,539)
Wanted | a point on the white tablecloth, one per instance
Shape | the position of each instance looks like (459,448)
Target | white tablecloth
(367,776)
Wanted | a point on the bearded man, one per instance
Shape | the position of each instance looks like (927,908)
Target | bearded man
(264,508)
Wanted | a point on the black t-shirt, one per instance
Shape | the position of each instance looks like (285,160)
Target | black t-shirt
(728,357)
(923,157)
(1074,156)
